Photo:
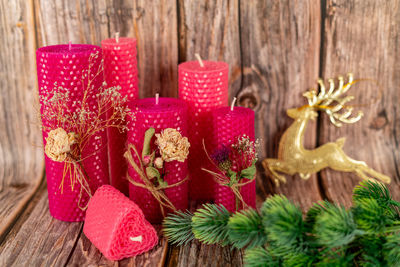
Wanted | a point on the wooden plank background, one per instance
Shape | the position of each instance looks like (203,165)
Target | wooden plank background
(276,50)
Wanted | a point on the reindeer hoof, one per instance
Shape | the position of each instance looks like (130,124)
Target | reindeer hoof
(304,176)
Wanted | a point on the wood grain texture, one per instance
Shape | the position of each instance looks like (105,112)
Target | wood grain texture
(211,29)
(152,23)
(280,43)
(196,254)
(21,158)
(363,37)
(40,240)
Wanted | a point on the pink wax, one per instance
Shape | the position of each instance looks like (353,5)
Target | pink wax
(120,69)
(168,113)
(116,225)
(228,125)
(203,89)
(64,65)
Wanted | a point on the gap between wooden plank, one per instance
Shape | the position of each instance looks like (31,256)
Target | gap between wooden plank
(7,224)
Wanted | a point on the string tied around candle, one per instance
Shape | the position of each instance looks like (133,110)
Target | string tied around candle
(157,191)
(224,176)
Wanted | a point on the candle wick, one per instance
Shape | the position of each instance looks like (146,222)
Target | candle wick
(138,238)
(117,37)
(69,45)
(157,98)
(233,103)
(199,59)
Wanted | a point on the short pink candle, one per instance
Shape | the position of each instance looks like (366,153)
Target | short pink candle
(167,113)
(228,125)
(203,88)
(116,225)
(64,65)
(120,69)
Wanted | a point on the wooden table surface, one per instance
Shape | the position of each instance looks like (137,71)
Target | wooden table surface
(276,50)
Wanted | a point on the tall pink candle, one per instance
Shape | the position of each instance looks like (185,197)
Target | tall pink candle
(65,65)
(228,125)
(203,88)
(167,113)
(120,69)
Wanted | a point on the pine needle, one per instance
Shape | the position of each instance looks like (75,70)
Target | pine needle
(210,224)
(246,229)
(260,257)
(177,228)
(335,226)
(283,222)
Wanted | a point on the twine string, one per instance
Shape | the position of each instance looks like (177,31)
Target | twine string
(157,191)
(223,180)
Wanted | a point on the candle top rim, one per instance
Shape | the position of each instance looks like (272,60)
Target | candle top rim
(209,66)
(64,48)
(121,41)
(164,104)
(236,110)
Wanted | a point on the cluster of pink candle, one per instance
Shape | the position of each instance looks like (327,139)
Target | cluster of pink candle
(202,114)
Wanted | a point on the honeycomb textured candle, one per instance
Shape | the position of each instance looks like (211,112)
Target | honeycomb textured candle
(120,69)
(116,225)
(228,125)
(168,113)
(203,89)
(61,65)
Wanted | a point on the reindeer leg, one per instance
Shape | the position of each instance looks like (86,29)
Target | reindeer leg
(375,174)
(273,165)
(361,174)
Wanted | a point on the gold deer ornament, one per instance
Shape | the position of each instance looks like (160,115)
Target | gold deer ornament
(294,158)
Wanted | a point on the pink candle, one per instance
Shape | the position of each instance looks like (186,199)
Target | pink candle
(65,65)
(204,87)
(116,225)
(120,69)
(167,113)
(228,125)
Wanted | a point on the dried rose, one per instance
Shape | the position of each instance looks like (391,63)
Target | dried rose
(172,145)
(59,143)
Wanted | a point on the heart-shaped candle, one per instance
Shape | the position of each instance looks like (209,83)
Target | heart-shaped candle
(116,225)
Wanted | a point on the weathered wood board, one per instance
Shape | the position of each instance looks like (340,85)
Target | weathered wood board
(276,51)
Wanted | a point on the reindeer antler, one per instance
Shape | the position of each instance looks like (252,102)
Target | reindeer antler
(325,98)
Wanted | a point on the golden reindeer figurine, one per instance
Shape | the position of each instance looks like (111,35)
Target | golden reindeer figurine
(294,158)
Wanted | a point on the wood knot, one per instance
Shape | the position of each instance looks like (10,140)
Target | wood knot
(248,100)
(380,121)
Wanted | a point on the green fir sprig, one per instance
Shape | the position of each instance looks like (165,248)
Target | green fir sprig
(367,234)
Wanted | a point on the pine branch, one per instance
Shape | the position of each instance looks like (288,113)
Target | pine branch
(246,229)
(283,222)
(210,224)
(377,191)
(368,234)
(391,249)
(177,228)
(260,257)
(335,226)
(372,217)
